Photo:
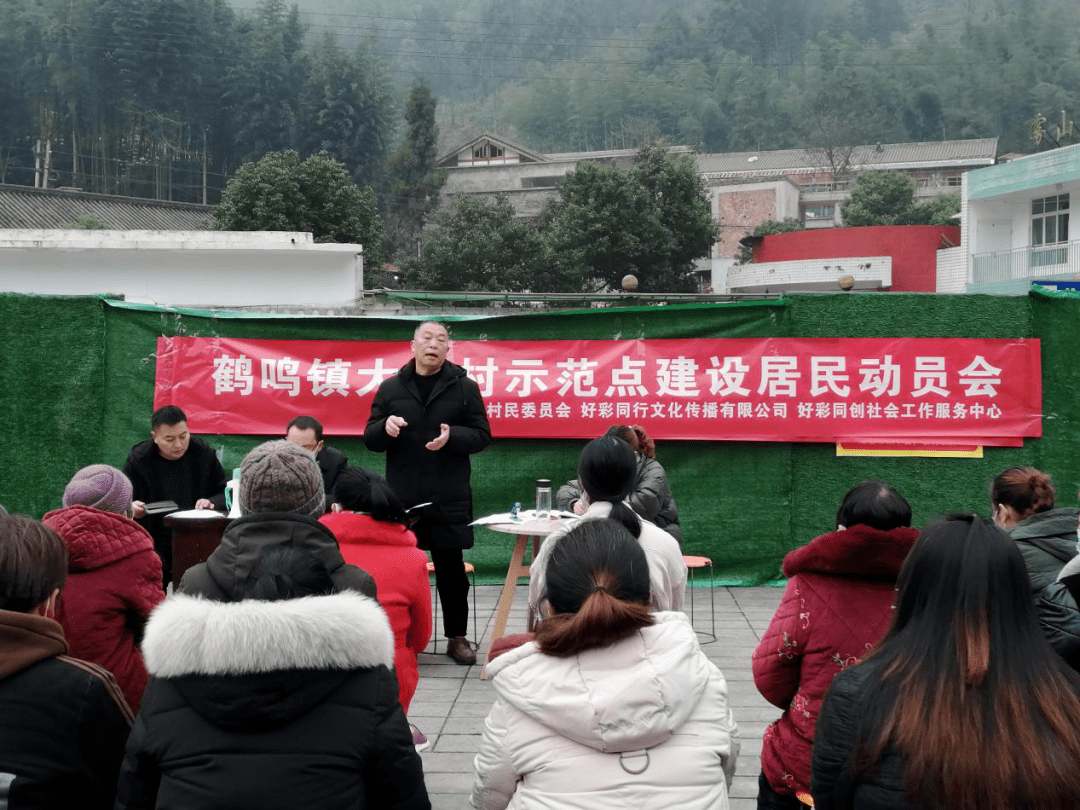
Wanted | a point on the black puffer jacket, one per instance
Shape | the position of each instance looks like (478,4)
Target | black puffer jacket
(248,538)
(1048,541)
(253,705)
(832,783)
(418,475)
(1059,617)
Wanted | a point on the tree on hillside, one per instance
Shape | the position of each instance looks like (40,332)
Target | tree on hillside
(652,222)
(414,181)
(346,108)
(316,195)
(264,82)
(479,245)
(888,198)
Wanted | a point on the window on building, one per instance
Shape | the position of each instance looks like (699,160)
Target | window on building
(1050,220)
(1049,226)
(955,180)
(815,212)
(487,150)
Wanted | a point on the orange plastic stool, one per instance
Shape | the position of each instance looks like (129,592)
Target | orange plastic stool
(693,563)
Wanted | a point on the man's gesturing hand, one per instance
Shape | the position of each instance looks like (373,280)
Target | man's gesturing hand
(394,424)
(439,441)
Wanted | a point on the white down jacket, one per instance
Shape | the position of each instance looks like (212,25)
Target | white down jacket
(667,569)
(642,724)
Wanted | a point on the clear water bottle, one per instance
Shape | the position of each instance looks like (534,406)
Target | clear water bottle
(543,499)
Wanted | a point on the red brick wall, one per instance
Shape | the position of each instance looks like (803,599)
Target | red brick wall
(913,249)
(738,213)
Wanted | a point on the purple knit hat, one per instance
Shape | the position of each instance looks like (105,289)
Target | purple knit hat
(100,486)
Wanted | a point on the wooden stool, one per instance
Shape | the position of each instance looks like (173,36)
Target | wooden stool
(470,569)
(692,563)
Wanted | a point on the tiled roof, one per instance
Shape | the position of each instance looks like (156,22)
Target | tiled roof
(25,207)
(975,152)
(612,153)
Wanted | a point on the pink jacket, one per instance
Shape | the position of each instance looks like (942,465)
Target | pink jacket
(837,605)
(388,552)
(114,581)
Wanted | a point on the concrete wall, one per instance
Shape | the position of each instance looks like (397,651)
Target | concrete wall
(868,272)
(182,268)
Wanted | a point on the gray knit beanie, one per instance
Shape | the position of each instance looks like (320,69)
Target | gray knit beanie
(100,486)
(280,476)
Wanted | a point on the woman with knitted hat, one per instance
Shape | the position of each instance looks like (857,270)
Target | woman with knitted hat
(114,575)
(281,500)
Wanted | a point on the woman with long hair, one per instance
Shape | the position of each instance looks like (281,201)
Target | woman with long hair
(607,469)
(611,705)
(963,704)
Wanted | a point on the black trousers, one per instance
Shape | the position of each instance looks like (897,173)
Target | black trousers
(769,799)
(452,583)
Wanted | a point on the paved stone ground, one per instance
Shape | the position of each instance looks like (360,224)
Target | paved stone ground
(451,701)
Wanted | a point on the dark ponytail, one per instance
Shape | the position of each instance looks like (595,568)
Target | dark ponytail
(361,490)
(607,470)
(597,582)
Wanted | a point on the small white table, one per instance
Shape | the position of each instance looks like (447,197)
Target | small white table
(536,530)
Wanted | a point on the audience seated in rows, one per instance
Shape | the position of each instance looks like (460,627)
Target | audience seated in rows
(283,697)
(650,496)
(963,704)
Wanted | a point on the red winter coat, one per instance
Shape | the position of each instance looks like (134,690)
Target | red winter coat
(114,581)
(388,552)
(837,605)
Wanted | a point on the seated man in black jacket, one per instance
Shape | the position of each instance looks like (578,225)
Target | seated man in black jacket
(172,465)
(307,431)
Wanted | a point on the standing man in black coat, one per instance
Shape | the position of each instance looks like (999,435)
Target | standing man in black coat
(429,418)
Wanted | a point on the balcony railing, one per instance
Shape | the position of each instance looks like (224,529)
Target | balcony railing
(1026,262)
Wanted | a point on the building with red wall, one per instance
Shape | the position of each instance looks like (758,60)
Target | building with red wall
(794,257)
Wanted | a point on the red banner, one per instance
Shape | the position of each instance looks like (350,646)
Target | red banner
(763,389)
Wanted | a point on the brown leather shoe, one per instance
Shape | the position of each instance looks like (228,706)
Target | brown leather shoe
(461,651)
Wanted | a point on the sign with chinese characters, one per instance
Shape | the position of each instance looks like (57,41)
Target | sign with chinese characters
(741,389)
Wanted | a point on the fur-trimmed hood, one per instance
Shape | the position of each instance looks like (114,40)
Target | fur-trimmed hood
(858,551)
(188,635)
(258,665)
